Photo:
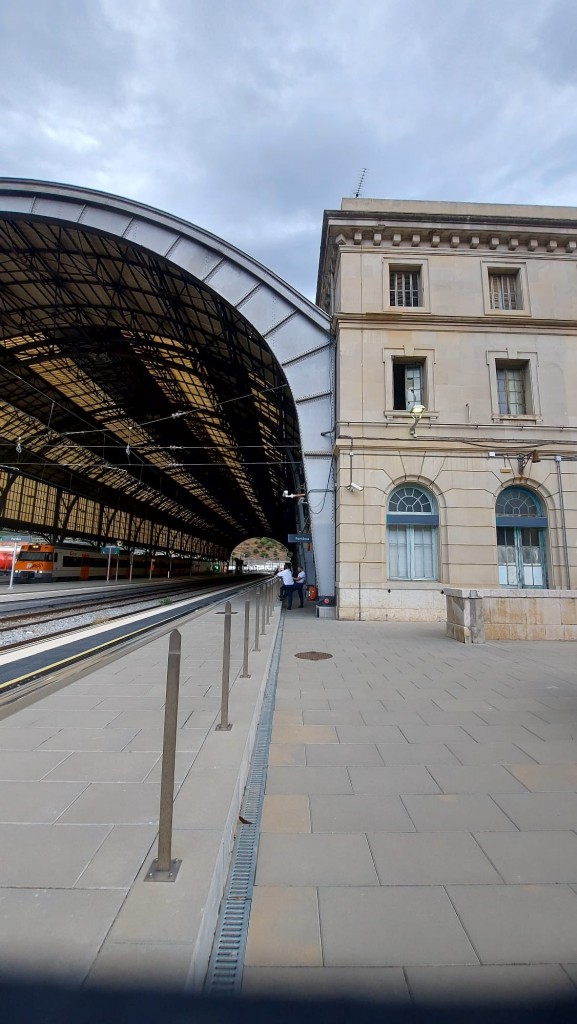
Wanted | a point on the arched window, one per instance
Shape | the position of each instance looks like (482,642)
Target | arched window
(521,533)
(412,521)
(516,501)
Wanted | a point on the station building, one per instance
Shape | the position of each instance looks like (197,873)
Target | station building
(456,410)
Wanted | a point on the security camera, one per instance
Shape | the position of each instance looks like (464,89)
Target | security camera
(355,487)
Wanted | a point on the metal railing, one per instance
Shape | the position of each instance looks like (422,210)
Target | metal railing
(165,868)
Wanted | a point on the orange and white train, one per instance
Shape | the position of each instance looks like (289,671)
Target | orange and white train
(6,556)
(50,562)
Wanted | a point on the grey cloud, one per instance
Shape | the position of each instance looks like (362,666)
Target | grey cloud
(249,118)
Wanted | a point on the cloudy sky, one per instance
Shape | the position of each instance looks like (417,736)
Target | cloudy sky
(250,117)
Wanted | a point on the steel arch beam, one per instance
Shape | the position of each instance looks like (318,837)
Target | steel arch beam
(296,331)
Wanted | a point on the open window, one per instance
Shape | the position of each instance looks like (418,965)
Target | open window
(408,383)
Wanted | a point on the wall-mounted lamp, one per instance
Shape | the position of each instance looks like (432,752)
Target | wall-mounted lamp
(286,494)
(416,412)
(522,460)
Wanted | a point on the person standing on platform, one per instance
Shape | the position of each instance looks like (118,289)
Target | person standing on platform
(287,585)
(299,584)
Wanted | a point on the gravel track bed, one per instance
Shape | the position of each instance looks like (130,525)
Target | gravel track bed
(32,632)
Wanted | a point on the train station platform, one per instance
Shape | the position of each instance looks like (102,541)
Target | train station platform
(79,807)
(418,837)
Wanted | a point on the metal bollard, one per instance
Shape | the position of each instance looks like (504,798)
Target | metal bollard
(263,613)
(267,603)
(224,725)
(245,674)
(163,869)
(256,618)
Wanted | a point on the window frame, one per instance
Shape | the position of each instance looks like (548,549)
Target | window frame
(532,518)
(403,361)
(515,359)
(504,370)
(519,269)
(513,287)
(405,355)
(400,264)
(407,522)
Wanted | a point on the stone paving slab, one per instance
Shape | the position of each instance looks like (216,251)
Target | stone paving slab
(511,924)
(286,814)
(284,928)
(528,857)
(430,858)
(371,983)
(315,859)
(528,811)
(359,812)
(391,926)
(518,983)
(55,931)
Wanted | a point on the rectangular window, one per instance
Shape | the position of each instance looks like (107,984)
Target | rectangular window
(412,552)
(408,384)
(504,289)
(512,389)
(405,287)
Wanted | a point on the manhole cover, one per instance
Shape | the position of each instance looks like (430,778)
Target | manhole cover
(313,655)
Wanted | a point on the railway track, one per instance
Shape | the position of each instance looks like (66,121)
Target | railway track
(58,607)
(102,608)
(50,600)
(80,642)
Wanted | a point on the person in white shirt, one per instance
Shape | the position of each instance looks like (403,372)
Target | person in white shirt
(299,584)
(287,585)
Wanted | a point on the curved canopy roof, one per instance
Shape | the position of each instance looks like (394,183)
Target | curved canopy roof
(127,380)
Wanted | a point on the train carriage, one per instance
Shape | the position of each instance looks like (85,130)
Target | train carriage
(6,556)
(49,562)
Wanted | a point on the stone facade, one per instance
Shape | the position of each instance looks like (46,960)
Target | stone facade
(456,328)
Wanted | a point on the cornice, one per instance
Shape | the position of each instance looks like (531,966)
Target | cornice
(500,235)
(430,321)
(500,238)
(502,241)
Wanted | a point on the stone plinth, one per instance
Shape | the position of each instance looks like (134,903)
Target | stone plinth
(474,616)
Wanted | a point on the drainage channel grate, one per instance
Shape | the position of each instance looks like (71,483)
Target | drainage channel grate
(224,975)
(313,655)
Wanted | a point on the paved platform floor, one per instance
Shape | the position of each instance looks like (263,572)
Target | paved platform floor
(79,804)
(419,833)
(419,826)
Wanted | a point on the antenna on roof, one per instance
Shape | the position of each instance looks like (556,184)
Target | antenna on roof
(359,187)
